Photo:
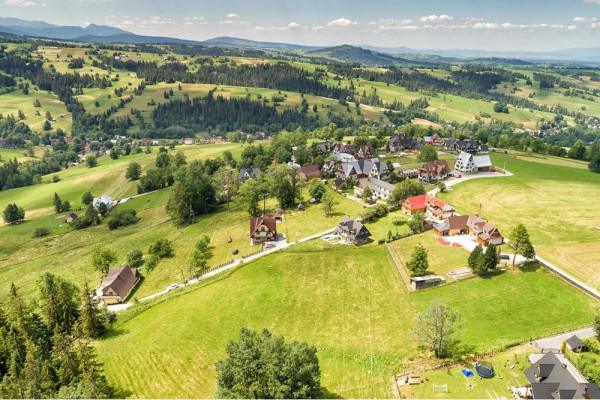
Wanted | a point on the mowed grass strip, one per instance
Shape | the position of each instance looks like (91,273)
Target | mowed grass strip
(349,306)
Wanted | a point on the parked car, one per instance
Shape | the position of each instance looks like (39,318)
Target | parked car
(504,257)
(268,245)
(235,252)
(172,286)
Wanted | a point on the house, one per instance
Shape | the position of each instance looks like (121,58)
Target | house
(415,204)
(381,189)
(328,168)
(434,171)
(337,182)
(427,281)
(365,151)
(575,344)
(343,148)
(322,147)
(344,157)
(436,140)
(438,209)
(395,143)
(352,230)
(550,378)
(410,144)
(469,164)
(410,173)
(262,229)
(71,217)
(478,229)
(310,172)
(469,146)
(484,148)
(108,201)
(118,284)
(365,168)
(247,173)
(187,141)
(300,208)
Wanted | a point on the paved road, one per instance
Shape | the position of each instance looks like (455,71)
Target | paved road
(279,246)
(554,342)
(453,181)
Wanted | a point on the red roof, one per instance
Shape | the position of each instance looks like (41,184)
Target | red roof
(415,203)
(255,223)
(435,202)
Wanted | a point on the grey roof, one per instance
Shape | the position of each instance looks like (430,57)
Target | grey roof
(574,341)
(354,229)
(550,379)
(382,184)
(247,173)
(364,167)
(482,161)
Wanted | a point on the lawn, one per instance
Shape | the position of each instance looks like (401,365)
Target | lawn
(441,258)
(348,302)
(552,199)
(346,306)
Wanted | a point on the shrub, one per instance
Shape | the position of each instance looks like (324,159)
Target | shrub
(161,248)
(134,258)
(373,213)
(123,218)
(41,232)
(151,263)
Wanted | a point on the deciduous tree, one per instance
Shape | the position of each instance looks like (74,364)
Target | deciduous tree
(437,327)
(418,263)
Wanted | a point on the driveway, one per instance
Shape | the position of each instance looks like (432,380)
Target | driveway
(453,181)
(554,342)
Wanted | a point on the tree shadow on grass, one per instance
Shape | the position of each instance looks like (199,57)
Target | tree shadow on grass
(327,394)
(120,393)
(530,266)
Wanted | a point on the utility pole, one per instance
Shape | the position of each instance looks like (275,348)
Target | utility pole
(479,210)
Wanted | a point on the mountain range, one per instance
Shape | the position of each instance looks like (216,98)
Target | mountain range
(364,54)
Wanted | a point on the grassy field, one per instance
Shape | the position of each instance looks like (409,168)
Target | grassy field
(350,303)
(304,296)
(552,199)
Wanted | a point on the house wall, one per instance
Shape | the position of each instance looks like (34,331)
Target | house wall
(410,211)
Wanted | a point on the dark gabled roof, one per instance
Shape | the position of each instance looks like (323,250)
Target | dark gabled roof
(120,280)
(72,216)
(353,228)
(310,170)
(574,341)
(550,379)
(252,172)
(256,222)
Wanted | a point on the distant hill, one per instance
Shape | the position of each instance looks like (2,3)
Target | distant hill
(132,38)
(42,29)
(354,54)
(236,42)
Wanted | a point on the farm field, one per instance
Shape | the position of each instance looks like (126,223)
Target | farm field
(550,199)
(350,303)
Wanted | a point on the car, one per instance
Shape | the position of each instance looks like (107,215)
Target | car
(504,257)
(172,286)
(269,245)
(235,252)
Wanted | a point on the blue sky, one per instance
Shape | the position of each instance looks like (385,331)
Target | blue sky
(538,25)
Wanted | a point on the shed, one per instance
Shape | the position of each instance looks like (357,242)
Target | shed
(423,282)
(575,344)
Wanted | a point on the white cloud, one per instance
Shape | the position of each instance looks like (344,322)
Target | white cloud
(436,18)
(194,18)
(231,15)
(294,25)
(23,3)
(98,1)
(592,1)
(584,19)
(227,22)
(341,22)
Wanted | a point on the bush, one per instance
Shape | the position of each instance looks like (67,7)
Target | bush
(151,263)
(123,218)
(134,258)
(161,248)
(81,223)
(41,232)
(373,213)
